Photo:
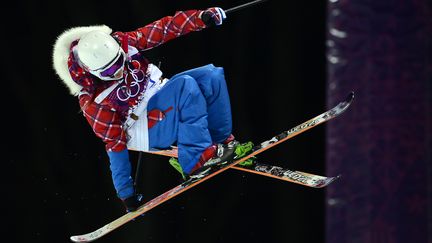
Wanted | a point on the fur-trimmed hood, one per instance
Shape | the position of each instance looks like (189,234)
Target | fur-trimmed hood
(61,53)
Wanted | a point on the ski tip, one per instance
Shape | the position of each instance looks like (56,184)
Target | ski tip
(74,239)
(79,239)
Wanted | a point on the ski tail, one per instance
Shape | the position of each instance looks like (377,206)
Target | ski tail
(284,174)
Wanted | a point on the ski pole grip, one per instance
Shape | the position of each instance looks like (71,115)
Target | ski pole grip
(242,6)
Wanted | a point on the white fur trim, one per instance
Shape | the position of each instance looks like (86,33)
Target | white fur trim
(61,53)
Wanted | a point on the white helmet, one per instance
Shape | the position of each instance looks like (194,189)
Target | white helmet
(97,50)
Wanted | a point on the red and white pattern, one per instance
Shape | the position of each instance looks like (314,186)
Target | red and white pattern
(106,123)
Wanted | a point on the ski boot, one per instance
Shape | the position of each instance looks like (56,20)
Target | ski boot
(213,156)
(223,153)
(216,155)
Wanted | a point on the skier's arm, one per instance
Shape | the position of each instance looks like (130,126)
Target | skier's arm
(170,27)
(121,169)
(106,124)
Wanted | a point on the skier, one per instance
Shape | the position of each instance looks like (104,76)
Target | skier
(130,105)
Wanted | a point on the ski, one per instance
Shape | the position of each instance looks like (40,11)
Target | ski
(276,172)
(171,152)
(190,183)
(298,177)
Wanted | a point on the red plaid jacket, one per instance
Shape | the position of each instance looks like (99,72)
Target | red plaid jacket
(105,122)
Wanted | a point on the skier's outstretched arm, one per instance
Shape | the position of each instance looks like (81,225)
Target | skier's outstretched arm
(171,27)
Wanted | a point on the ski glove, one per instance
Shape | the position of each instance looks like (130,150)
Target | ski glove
(132,203)
(213,16)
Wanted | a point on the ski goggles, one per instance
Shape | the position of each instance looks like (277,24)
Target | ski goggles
(114,69)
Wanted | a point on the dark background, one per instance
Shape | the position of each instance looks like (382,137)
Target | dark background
(283,65)
(57,180)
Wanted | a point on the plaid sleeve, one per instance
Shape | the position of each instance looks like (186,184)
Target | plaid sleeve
(105,123)
(165,29)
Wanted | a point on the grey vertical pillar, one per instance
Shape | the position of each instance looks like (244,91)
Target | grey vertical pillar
(382,145)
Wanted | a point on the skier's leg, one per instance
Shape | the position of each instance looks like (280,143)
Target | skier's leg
(185,123)
(211,81)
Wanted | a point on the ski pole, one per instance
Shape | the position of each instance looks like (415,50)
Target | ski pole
(245,5)
(138,172)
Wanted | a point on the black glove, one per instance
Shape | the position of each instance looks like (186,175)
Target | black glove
(213,16)
(132,203)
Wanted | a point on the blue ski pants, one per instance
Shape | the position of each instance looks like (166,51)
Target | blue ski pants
(197,114)
(200,114)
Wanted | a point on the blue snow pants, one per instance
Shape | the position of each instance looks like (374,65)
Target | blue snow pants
(200,114)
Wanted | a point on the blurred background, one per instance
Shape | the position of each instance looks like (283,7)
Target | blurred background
(284,64)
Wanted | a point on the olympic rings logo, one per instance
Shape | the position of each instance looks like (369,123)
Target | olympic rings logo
(124,93)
